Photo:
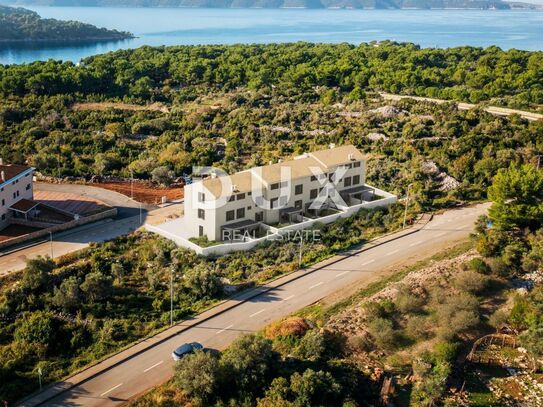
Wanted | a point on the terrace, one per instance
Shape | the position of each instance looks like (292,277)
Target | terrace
(251,233)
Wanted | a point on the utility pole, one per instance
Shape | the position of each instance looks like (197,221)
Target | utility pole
(51,240)
(171,295)
(131,184)
(301,247)
(141,220)
(406,204)
(39,376)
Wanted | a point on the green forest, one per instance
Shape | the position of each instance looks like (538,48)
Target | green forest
(19,24)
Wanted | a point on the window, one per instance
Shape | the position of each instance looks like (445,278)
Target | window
(249,208)
(240,213)
(313,178)
(201,197)
(298,204)
(17,192)
(347,181)
(3,202)
(356,164)
(331,177)
(356,179)
(230,215)
(200,230)
(249,194)
(274,203)
(313,193)
(27,187)
(274,186)
(3,216)
(298,189)
(231,198)
(201,214)
(240,196)
(14,195)
(259,216)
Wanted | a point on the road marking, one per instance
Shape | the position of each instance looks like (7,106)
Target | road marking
(288,298)
(155,365)
(316,285)
(256,313)
(110,390)
(342,274)
(392,252)
(415,243)
(224,329)
(368,262)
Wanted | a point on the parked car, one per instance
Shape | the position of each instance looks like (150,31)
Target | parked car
(186,349)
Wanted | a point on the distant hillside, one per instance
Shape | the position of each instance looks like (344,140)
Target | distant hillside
(360,4)
(19,24)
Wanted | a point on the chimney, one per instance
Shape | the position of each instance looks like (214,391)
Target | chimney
(3,175)
(1,161)
(235,188)
(351,157)
(332,145)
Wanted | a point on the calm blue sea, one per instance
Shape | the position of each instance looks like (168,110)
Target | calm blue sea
(167,26)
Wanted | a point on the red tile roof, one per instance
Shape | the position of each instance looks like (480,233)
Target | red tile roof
(12,170)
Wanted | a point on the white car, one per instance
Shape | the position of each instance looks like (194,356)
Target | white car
(186,349)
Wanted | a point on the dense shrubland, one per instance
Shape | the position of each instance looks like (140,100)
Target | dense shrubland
(267,101)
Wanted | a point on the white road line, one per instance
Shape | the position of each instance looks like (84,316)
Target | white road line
(415,243)
(288,298)
(316,285)
(110,390)
(342,274)
(256,313)
(152,367)
(224,329)
(368,262)
(392,252)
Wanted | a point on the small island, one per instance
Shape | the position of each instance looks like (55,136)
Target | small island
(19,24)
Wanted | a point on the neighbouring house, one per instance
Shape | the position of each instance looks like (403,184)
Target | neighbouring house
(16,192)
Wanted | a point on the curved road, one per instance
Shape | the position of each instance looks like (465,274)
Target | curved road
(149,363)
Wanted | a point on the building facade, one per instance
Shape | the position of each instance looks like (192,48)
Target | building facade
(226,207)
(15,189)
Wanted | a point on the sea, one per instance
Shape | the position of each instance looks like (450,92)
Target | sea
(519,29)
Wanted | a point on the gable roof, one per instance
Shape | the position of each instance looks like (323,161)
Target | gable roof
(299,167)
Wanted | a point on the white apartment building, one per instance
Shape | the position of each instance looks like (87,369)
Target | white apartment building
(15,191)
(222,207)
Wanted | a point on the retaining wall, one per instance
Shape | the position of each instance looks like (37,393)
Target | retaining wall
(59,228)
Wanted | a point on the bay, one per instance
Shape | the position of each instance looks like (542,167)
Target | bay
(181,26)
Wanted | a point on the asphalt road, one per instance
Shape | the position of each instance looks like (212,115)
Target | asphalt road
(154,366)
